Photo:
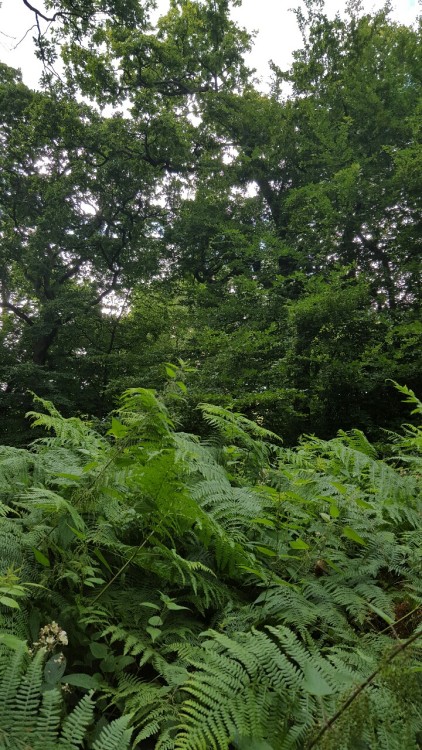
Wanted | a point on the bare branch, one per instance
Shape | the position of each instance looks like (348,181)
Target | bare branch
(71,272)
(34,26)
(8,36)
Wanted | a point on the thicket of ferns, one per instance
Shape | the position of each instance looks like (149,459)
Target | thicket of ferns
(215,594)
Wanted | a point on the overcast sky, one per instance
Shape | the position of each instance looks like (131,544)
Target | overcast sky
(277,31)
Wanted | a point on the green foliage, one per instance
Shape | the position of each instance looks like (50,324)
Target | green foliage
(215,592)
(272,240)
(185,580)
(31,710)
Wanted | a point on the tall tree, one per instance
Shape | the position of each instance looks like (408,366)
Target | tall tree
(282,229)
(332,234)
(85,196)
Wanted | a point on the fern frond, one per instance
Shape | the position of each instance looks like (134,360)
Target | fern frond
(357,440)
(260,668)
(411,397)
(48,721)
(115,736)
(76,724)
(28,696)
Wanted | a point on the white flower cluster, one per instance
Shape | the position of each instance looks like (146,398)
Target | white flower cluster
(50,636)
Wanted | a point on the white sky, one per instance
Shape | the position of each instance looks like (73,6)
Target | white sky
(277,36)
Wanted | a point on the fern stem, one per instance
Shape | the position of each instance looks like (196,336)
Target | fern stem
(401,619)
(123,568)
(132,557)
(355,694)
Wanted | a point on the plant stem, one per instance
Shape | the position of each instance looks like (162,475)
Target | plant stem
(392,655)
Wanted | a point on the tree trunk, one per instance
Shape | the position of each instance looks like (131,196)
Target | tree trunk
(42,345)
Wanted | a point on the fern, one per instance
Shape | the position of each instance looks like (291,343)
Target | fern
(31,714)
(76,724)
(216,593)
(240,684)
(116,736)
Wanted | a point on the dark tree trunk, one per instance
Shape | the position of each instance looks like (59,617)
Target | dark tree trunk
(42,345)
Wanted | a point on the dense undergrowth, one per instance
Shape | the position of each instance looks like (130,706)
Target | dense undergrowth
(159,591)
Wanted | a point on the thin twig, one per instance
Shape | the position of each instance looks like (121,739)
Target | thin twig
(24,36)
(396,650)
(123,568)
(137,549)
(401,619)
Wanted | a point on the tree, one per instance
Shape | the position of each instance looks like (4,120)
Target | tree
(234,208)
(85,196)
(322,157)
(79,220)
(336,208)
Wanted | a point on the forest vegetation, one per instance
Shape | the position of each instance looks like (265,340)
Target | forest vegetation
(210,362)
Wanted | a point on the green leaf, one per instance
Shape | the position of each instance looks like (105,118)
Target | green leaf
(299,544)
(54,669)
(94,581)
(78,679)
(334,511)
(123,661)
(332,565)
(155,621)
(117,429)
(254,571)
(339,487)
(353,535)
(77,533)
(174,606)
(99,650)
(154,633)
(102,559)
(267,551)
(13,589)
(149,604)
(108,664)
(11,641)
(363,504)
(42,559)
(314,683)
(8,602)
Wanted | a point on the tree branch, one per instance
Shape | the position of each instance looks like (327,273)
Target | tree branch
(20,313)
(39,14)
(24,36)
(71,272)
(108,289)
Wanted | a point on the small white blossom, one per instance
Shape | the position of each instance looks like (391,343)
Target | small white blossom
(51,635)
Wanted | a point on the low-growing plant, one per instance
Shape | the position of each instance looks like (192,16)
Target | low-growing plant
(219,593)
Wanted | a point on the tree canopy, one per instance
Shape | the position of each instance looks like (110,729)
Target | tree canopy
(156,206)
